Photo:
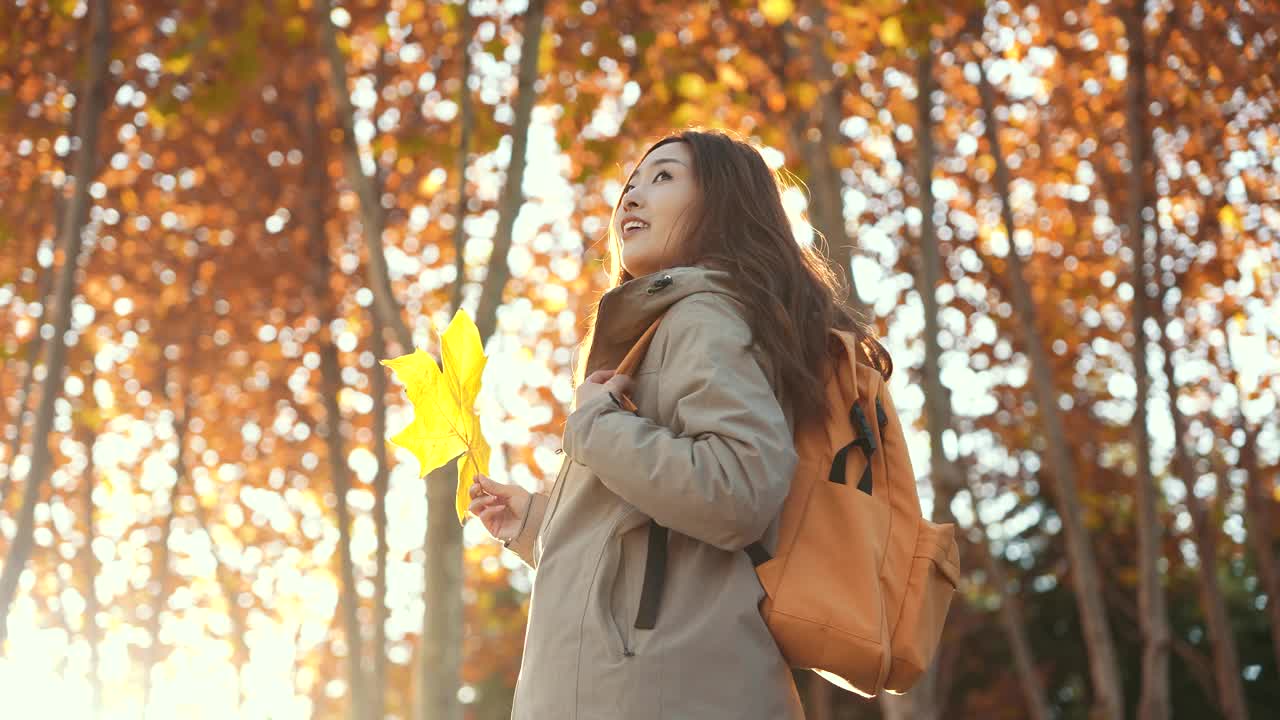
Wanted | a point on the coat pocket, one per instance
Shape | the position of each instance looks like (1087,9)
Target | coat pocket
(934,576)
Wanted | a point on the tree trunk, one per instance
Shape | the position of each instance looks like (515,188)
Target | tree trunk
(1154,702)
(163,570)
(947,474)
(466,123)
(1014,623)
(923,703)
(331,428)
(1257,498)
(381,482)
(443,619)
(88,122)
(1259,531)
(495,280)
(235,613)
(34,346)
(372,215)
(1221,639)
(1195,663)
(92,635)
(331,431)
(1103,668)
(817,136)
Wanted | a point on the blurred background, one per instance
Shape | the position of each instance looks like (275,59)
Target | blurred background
(216,217)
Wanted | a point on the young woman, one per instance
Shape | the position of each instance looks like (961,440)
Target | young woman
(699,234)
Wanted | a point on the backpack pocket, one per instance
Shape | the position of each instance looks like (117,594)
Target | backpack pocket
(933,579)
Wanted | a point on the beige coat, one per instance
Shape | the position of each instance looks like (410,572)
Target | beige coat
(709,455)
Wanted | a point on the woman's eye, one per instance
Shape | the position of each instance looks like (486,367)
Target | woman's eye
(629,187)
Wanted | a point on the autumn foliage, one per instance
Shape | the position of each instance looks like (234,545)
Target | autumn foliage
(202,513)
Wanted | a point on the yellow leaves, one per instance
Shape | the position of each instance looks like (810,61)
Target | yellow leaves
(661,92)
(295,29)
(776,12)
(685,115)
(431,183)
(445,423)
(805,93)
(178,64)
(732,79)
(1229,218)
(546,58)
(891,33)
(691,86)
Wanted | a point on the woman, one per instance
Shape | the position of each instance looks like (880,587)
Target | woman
(699,234)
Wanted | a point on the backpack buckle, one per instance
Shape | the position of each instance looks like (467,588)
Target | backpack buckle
(865,439)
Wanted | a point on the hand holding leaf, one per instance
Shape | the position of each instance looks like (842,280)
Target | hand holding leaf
(445,423)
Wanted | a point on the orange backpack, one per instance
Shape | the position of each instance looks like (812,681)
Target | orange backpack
(852,514)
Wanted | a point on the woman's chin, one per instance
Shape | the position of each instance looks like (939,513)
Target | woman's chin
(638,264)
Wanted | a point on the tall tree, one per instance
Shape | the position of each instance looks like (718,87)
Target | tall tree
(1154,701)
(331,428)
(70,240)
(1103,667)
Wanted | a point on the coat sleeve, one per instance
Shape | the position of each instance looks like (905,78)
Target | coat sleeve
(522,545)
(721,473)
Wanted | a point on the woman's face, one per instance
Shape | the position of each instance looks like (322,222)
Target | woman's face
(653,213)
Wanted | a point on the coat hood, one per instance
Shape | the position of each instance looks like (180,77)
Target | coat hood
(626,311)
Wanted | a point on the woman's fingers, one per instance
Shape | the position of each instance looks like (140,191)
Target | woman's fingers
(488,502)
(489,486)
(600,376)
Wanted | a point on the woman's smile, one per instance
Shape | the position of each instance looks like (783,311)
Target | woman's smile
(655,201)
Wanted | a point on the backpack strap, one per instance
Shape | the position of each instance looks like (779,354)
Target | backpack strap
(863,438)
(634,356)
(758,554)
(655,576)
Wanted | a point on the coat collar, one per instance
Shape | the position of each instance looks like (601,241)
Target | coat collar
(626,311)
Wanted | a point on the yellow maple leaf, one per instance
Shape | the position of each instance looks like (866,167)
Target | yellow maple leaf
(445,423)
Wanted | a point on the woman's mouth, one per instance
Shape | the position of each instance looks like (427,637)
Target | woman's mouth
(631,227)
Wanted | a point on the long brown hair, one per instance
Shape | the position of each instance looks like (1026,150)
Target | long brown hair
(792,295)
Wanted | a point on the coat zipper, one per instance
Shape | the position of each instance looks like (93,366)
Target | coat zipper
(557,491)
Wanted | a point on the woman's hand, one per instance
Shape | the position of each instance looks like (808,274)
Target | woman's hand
(598,382)
(500,507)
